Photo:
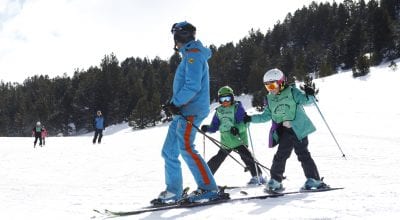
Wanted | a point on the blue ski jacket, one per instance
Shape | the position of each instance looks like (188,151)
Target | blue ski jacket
(191,86)
(99,122)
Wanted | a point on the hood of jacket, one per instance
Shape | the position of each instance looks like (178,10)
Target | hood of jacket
(196,44)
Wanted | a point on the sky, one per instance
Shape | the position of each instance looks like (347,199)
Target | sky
(53,37)
(69,177)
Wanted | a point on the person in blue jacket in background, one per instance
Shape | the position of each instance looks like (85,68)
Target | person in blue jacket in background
(190,105)
(99,126)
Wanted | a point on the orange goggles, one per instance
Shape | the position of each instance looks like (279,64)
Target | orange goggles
(271,85)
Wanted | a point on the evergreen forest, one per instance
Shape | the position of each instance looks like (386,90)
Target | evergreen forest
(321,38)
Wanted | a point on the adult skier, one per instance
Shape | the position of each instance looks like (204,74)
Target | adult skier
(189,104)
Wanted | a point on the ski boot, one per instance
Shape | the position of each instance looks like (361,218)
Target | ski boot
(313,184)
(273,187)
(201,195)
(168,198)
(256,180)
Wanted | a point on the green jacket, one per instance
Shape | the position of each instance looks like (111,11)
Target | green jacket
(301,124)
(227,117)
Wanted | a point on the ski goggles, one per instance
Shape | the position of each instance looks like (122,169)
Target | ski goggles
(271,85)
(225,99)
(175,28)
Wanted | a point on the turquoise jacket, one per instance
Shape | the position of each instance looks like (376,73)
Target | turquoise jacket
(191,87)
(301,124)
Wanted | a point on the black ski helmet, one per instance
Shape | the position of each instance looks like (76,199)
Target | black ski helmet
(183,32)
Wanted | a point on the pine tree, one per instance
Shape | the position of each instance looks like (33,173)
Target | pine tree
(362,66)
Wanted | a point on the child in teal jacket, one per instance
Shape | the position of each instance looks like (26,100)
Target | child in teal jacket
(290,128)
(228,119)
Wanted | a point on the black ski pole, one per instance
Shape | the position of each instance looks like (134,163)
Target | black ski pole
(220,144)
(215,142)
(222,148)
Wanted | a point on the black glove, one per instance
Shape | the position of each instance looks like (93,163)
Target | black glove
(234,131)
(309,88)
(172,108)
(204,128)
(246,118)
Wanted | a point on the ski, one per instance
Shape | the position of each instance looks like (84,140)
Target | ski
(110,213)
(301,190)
(184,205)
(241,187)
(304,191)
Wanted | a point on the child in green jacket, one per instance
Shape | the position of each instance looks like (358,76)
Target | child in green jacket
(228,119)
(290,128)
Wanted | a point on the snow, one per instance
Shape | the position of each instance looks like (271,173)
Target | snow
(69,177)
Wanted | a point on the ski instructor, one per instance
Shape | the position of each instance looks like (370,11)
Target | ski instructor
(189,105)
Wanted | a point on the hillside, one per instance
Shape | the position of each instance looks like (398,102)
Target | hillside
(70,176)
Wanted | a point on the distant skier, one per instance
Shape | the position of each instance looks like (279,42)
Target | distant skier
(44,135)
(37,133)
(228,119)
(290,128)
(98,125)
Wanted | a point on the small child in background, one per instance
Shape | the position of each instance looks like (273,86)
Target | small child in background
(44,135)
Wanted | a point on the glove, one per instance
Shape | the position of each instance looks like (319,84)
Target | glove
(246,118)
(234,131)
(172,108)
(309,89)
(204,128)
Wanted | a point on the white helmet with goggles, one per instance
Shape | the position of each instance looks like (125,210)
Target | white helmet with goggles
(274,76)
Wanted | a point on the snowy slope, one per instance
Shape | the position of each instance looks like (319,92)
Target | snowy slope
(70,176)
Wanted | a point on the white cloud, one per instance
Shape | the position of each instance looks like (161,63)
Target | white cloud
(57,36)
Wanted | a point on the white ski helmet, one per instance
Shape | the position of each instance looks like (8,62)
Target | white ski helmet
(274,75)
(38,123)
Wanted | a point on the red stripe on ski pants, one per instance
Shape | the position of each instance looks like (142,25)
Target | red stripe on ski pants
(194,156)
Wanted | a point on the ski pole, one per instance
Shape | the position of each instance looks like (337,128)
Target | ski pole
(222,145)
(218,143)
(204,147)
(215,142)
(226,151)
(252,158)
(252,149)
(323,118)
